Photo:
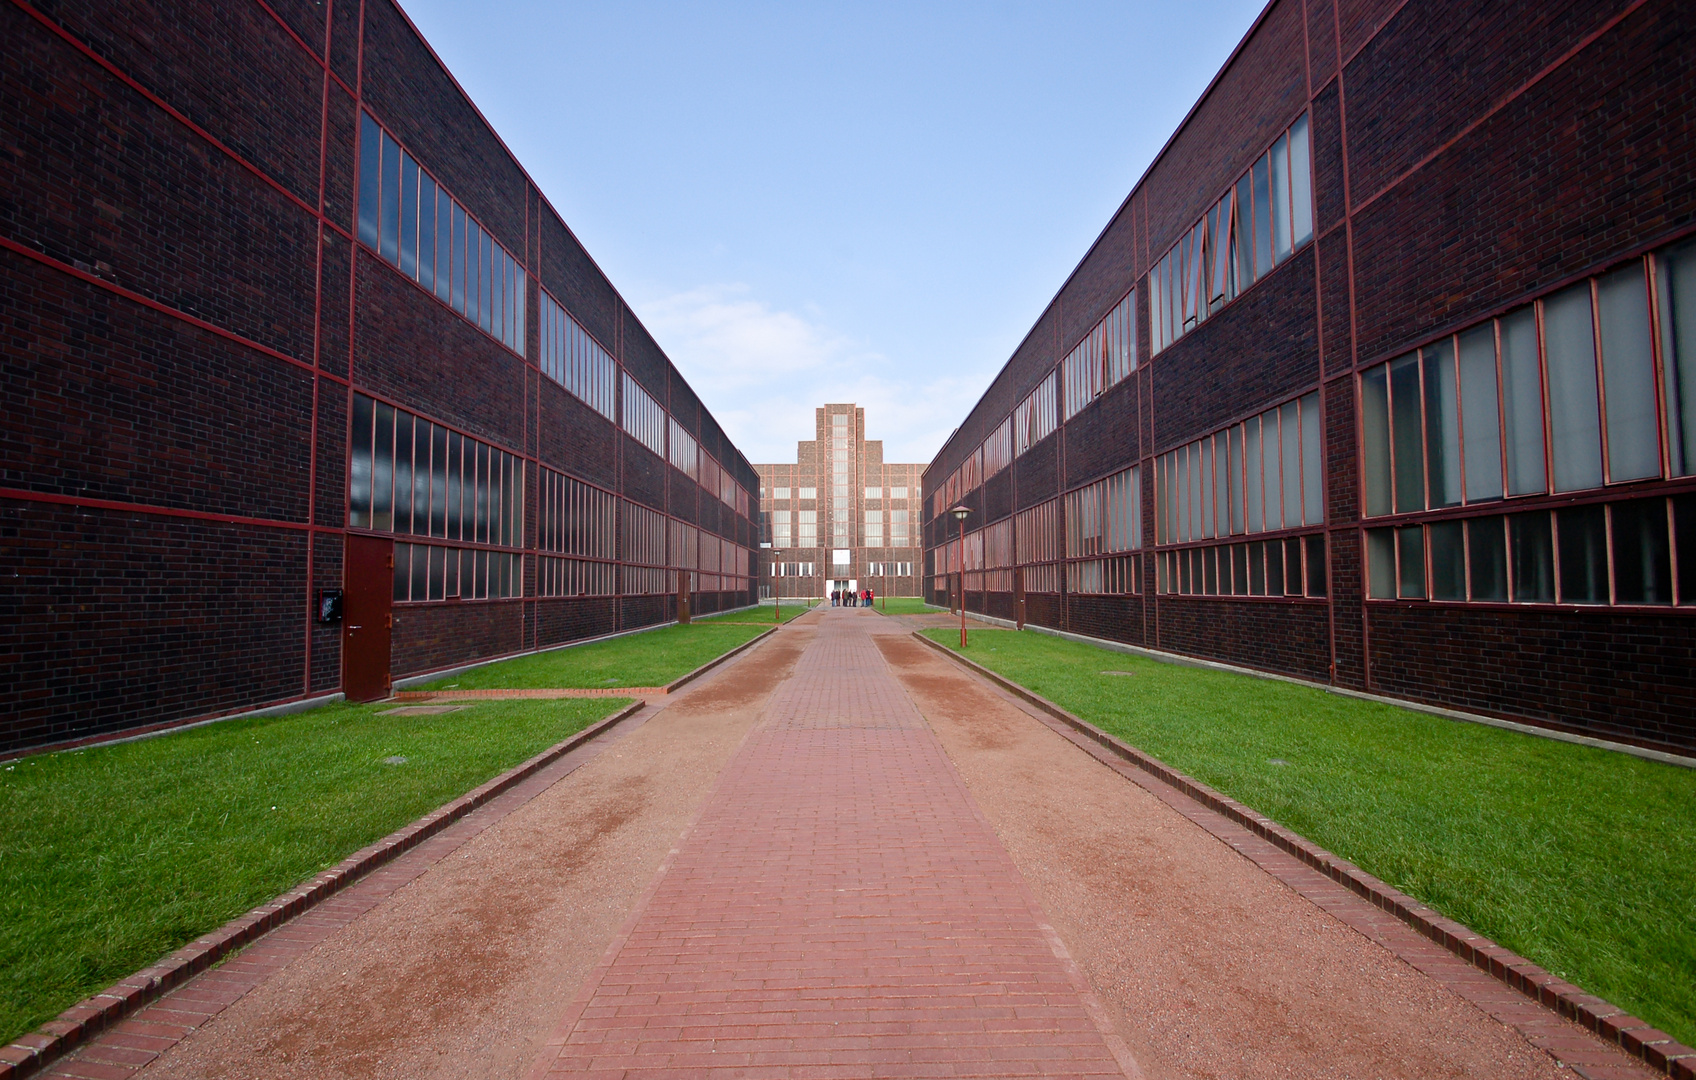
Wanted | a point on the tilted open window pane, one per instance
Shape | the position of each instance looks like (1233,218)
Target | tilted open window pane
(1574,416)
(1676,283)
(1481,414)
(1628,375)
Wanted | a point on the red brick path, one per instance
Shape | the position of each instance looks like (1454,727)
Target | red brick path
(840,909)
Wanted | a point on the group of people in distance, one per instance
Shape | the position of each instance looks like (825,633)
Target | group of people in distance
(848,598)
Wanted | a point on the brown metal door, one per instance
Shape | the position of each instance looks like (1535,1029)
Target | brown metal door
(368,589)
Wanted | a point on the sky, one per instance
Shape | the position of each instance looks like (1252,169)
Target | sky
(809,202)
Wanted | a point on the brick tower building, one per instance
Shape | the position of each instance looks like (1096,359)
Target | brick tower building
(840,517)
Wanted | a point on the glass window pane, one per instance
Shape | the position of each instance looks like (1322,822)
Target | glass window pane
(1487,558)
(1301,183)
(1316,572)
(1676,283)
(383,471)
(370,178)
(456,448)
(1234,478)
(1375,425)
(420,571)
(403,472)
(436,560)
(485,279)
(1289,435)
(1410,564)
(451,587)
(1448,561)
(1684,541)
(1574,418)
(1479,411)
(403,572)
(390,245)
(1381,563)
(421,478)
(1274,568)
(1257,569)
(458,259)
(1281,197)
(1185,501)
(1642,552)
(408,215)
(426,232)
(1292,567)
(1532,542)
(359,466)
(1404,432)
(1583,533)
(444,247)
(481,505)
(1262,220)
(1244,204)
(1312,463)
(1522,402)
(1252,448)
(1442,424)
(1628,375)
(438,481)
(473,269)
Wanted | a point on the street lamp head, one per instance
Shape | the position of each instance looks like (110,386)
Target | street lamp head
(960,512)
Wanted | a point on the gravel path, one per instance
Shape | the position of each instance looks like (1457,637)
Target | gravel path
(842,755)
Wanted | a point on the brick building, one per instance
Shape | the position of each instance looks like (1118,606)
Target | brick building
(283,316)
(1383,375)
(840,517)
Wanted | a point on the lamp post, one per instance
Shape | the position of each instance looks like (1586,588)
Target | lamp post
(960,513)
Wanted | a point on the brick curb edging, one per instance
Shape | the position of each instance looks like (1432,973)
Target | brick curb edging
(674,685)
(1636,1037)
(81,1022)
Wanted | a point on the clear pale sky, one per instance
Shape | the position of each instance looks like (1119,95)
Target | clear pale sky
(810,202)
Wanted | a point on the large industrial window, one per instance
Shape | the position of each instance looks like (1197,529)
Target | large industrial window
(1263,475)
(874,528)
(1035,419)
(416,226)
(1527,404)
(1634,552)
(1586,388)
(1257,224)
(575,360)
(997,454)
(431,572)
(1106,516)
(1106,355)
(410,476)
(1288,566)
(644,419)
(575,519)
(685,452)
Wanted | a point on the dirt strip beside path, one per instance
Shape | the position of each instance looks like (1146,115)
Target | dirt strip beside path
(464,971)
(1211,966)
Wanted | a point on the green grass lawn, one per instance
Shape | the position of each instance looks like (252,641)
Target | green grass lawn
(113,856)
(905,605)
(761,616)
(1579,859)
(651,658)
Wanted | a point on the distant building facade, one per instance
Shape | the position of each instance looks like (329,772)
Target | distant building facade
(840,517)
(1383,375)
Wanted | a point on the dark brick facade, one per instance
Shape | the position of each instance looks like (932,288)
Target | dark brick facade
(1466,158)
(188,315)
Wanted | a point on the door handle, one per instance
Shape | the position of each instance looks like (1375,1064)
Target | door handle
(352,628)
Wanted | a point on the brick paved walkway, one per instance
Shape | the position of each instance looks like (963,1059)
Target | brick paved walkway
(840,909)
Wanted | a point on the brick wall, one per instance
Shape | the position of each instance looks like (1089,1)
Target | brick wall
(186,303)
(1466,159)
